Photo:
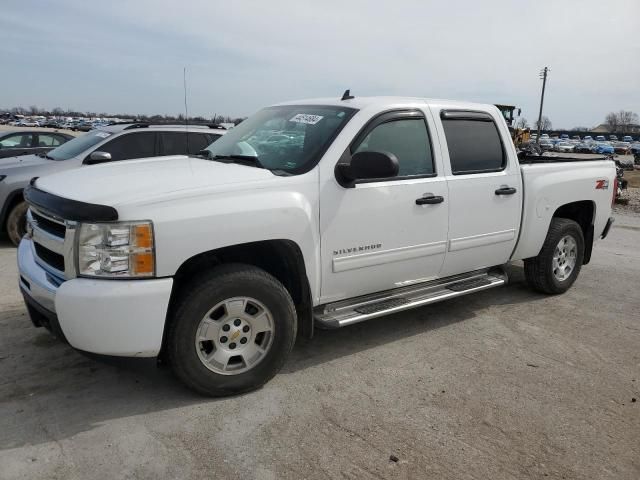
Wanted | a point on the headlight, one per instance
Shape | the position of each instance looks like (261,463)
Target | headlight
(116,250)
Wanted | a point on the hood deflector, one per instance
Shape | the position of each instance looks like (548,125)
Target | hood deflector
(68,209)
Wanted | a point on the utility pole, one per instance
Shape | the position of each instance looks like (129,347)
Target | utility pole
(543,76)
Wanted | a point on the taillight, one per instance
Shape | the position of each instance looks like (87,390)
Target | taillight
(615,191)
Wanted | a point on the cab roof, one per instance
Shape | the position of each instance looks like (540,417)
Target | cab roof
(382,102)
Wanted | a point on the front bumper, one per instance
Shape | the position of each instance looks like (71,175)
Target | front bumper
(108,317)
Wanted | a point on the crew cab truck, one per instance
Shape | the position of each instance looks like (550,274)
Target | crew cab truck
(319,213)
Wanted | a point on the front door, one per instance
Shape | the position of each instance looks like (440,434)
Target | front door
(380,235)
(485,190)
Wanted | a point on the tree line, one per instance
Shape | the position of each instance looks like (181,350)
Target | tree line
(34,110)
(616,122)
(621,121)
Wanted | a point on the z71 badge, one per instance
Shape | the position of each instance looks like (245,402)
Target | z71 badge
(602,184)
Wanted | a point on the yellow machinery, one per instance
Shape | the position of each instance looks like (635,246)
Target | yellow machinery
(518,135)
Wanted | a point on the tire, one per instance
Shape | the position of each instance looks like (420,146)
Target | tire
(16,225)
(197,314)
(541,272)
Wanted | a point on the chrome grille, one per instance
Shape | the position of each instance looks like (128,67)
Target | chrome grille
(50,226)
(53,240)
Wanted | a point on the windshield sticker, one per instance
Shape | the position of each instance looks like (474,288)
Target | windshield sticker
(102,134)
(306,118)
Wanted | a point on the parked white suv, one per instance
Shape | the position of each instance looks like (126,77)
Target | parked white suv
(108,144)
(320,212)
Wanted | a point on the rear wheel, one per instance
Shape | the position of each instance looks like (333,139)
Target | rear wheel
(231,331)
(558,264)
(17,222)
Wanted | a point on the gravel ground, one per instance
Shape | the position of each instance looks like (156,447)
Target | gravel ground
(504,384)
(633,207)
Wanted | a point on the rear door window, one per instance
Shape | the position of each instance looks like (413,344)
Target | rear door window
(199,141)
(177,143)
(49,140)
(474,146)
(131,145)
(173,143)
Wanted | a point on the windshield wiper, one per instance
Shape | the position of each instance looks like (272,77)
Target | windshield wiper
(241,159)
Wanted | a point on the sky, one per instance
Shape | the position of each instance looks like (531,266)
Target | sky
(128,55)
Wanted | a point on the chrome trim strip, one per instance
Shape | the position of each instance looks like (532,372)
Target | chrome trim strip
(370,259)
(47,215)
(69,250)
(46,239)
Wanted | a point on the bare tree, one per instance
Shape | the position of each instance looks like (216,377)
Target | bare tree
(611,121)
(626,118)
(34,110)
(544,124)
(522,123)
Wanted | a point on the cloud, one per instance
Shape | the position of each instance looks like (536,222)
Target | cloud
(128,56)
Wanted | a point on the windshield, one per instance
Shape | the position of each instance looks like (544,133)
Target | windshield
(289,138)
(78,145)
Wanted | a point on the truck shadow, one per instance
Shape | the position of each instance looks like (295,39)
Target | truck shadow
(328,345)
(49,392)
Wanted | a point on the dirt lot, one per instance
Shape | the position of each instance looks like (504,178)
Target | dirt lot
(501,385)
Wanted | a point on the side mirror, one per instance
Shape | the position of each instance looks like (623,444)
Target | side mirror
(97,157)
(368,165)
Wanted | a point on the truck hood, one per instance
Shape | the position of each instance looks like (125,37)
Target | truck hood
(152,179)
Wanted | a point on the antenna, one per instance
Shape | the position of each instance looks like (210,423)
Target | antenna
(347,95)
(186,109)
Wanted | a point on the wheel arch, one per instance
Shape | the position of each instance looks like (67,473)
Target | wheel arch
(281,258)
(14,197)
(583,212)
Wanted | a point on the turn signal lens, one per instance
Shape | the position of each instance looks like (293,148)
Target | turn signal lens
(142,235)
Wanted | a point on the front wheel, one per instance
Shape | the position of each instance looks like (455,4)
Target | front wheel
(17,222)
(231,331)
(558,264)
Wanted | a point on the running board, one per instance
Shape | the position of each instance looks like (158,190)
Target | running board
(348,312)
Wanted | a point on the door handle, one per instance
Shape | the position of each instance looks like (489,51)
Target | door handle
(430,200)
(505,191)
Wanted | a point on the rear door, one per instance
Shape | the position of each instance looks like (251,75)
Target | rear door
(485,189)
(183,143)
(48,141)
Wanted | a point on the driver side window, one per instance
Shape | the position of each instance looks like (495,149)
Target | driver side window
(408,140)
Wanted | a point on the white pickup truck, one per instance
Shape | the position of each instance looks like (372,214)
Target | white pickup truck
(314,213)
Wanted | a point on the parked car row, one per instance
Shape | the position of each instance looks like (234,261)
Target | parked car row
(599,145)
(82,125)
